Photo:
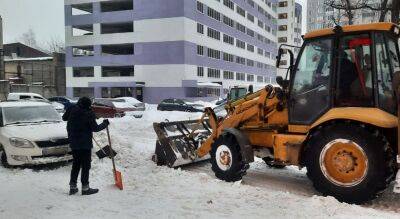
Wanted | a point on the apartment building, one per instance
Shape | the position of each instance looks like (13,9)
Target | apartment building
(321,16)
(156,49)
(289,29)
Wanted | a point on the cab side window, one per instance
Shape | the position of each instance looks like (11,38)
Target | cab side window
(354,85)
(384,57)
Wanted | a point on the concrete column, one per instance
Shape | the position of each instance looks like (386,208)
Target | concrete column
(97,92)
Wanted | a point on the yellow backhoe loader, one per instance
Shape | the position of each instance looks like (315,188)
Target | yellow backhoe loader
(334,113)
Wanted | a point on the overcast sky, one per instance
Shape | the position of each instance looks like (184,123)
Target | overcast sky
(44,17)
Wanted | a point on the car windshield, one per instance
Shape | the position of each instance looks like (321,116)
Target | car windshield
(30,114)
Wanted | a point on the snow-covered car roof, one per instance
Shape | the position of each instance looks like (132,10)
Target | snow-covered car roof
(128,99)
(23,103)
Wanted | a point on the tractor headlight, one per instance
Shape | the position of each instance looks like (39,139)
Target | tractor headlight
(21,143)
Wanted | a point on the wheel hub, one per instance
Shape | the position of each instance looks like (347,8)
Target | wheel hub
(223,156)
(344,162)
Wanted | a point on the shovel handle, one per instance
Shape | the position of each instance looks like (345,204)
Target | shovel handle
(111,150)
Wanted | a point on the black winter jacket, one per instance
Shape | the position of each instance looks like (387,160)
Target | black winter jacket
(80,127)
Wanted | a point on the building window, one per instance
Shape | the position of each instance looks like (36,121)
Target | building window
(282,39)
(260,79)
(240,44)
(229,4)
(82,9)
(240,76)
(282,27)
(283,4)
(250,77)
(267,54)
(213,14)
(228,39)
(250,32)
(121,49)
(213,33)
(200,7)
(228,57)
(125,27)
(250,63)
(82,51)
(229,75)
(200,28)
(108,6)
(260,38)
(200,71)
(240,27)
(240,11)
(260,65)
(283,16)
(260,51)
(83,71)
(268,28)
(251,3)
(118,71)
(228,21)
(240,60)
(200,50)
(250,47)
(212,53)
(82,30)
(250,17)
(261,24)
(213,73)
(83,91)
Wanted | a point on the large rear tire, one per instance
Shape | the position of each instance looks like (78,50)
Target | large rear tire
(226,159)
(349,162)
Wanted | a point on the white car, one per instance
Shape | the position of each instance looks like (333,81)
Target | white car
(35,97)
(136,104)
(32,133)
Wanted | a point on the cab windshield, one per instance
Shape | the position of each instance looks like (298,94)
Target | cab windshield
(236,93)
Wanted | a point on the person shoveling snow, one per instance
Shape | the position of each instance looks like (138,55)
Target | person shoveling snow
(80,127)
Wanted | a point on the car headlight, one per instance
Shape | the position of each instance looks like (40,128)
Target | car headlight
(21,143)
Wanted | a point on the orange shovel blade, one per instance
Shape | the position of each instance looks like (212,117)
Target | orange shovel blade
(118,179)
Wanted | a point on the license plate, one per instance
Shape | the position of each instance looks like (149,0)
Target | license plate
(56,150)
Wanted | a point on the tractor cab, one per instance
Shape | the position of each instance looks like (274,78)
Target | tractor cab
(351,66)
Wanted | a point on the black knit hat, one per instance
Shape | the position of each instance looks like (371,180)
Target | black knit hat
(84,102)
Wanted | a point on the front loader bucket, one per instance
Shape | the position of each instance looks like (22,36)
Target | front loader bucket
(178,141)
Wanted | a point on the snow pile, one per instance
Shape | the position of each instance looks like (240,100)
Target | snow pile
(161,192)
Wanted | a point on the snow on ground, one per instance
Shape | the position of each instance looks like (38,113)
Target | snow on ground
(160,192)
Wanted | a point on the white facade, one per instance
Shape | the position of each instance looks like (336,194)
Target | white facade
(289,29)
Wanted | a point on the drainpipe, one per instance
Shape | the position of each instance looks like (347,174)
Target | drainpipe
(2,68)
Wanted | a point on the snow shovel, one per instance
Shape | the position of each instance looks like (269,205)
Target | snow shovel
(104,151)
(117,174)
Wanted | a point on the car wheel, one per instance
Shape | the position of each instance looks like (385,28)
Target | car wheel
(3,158)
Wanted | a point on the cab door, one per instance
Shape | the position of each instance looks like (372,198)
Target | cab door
(311,82)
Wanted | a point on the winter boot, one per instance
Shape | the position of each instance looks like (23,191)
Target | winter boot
(73,189)
(86,190)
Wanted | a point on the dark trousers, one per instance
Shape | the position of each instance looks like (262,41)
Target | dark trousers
(82,159)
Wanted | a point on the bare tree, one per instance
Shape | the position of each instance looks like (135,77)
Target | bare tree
(55,44)
(347,6)
(29,38)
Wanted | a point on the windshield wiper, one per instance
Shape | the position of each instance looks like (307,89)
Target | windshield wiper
(17,123)
(45,120)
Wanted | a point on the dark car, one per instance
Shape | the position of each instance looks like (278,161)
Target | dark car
(179,105)
(67,102)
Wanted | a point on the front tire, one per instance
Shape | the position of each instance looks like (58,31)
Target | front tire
(226,159)
(3,158)
(349,162)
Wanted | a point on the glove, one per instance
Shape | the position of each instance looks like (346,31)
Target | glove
(105,121)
